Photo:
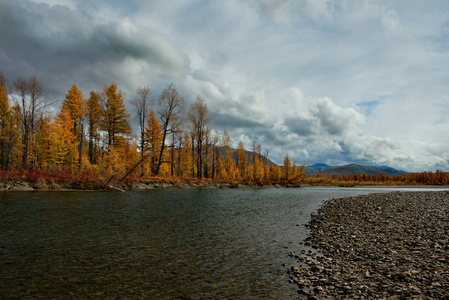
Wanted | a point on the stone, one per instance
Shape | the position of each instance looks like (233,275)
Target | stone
(381,246)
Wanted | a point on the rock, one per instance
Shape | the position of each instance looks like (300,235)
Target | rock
(316,268)
(391,246)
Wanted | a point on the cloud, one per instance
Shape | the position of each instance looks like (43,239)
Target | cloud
(65,44)
(324,117)
(325,81)
(230,108)
(277,10)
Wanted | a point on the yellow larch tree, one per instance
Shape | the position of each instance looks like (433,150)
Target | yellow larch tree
(293,171)
(64,142)
(275,172)
(185,156)
(242,160)
(74,104)
(286,169)
(5,126)
(93,116)
(299,174)
(115,121)
(45,144)
(257,168)
(266,170)
(223,174)
(153,141)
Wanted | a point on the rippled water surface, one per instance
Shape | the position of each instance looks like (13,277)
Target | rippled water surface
(187,244)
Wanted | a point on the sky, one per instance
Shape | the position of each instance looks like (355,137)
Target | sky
(335,82)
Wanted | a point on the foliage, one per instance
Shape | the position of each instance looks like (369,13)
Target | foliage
(420,178)
(176,147)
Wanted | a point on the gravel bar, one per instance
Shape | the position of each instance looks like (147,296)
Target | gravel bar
(377,246)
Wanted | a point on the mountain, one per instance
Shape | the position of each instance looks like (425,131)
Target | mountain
(353,169)
(316,168)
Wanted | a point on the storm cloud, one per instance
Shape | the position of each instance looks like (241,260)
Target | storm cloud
(335,82)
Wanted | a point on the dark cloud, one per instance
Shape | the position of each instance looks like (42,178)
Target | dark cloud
(369,79)
(59,43)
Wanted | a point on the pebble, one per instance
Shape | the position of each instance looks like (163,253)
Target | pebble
(391,246)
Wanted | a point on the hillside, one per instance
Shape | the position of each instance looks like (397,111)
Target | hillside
(316,168)
(353,169)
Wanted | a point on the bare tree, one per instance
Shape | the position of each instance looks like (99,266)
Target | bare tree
(199,120)
(33,104)
(142,106)
(215,153)
(171,106)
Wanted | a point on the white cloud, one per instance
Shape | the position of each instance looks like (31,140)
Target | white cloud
(278,10)
(337,82)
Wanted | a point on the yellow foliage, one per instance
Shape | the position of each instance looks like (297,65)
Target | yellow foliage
(286,169)
(153,140)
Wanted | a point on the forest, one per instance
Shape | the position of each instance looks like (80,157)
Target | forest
(92,136)
(90,139)
(416,178)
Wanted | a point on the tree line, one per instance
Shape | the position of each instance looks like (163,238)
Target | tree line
(416,178)
(94,136)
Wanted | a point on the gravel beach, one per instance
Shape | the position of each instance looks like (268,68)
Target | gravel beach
(378,246)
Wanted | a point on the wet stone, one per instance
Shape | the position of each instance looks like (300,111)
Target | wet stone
(388,246)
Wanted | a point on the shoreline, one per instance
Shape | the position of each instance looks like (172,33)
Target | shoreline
(174,183)
(23,186)
(390,245)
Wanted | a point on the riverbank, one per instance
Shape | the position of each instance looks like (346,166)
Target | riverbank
(42,185)
(378,246)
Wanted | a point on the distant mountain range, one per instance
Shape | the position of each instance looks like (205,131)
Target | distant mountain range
(351,169)
(324,169)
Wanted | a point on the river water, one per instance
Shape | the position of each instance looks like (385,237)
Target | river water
(168,244)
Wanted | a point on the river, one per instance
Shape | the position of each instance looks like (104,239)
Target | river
(165,244)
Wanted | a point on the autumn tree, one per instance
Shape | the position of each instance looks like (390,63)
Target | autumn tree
(64,141)
(275,172)
(142,106)
(153,138)
(257,168)
(215,159)
(46,143)
(199,120)
(266,169)
(74,105)
(93,116)
(171,105)
(299,173)
(286,169)
(5,125)
(242,160)
(32,103)
(226,148)
(185,157)
(115,120)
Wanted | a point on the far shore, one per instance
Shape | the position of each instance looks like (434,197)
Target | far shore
(175,183)
(141,185)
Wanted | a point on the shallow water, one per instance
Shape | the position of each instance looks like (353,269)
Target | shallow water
(185,244)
